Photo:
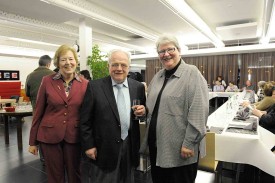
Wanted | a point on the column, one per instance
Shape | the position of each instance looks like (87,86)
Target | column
(85,43)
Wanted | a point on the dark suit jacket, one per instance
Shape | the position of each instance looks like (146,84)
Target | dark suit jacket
(57,116)
(100,124)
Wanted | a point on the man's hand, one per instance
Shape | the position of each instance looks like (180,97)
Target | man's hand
(186,153)
(139,110)
(91,153)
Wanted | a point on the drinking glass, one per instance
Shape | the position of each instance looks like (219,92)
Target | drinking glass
(135,103)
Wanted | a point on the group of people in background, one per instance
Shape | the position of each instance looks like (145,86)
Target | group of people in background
(265,107)
(221,86)
(88,130)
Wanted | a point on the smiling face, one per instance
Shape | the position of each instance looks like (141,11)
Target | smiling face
(169,55)
(67,63)
(119,65)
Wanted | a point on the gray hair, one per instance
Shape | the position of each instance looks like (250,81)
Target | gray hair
(119,50)
(261,84)
(44,60)
(167,38)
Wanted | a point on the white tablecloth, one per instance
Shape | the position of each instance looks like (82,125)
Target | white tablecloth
(242,148)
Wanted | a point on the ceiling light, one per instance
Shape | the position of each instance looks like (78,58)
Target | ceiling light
(31,41)
(271,28)
(45,1)
(96,12)
(19,51)
(184,11)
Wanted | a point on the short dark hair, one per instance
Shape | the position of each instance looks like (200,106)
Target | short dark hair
(44,60)
(86,74)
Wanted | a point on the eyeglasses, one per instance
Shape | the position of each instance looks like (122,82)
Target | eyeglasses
(169,50)
(123,66)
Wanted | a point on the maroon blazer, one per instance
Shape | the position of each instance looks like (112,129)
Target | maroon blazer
(57,116)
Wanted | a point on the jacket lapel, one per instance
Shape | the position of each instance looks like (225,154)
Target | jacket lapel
(75,89)
(59,88)
(109,93)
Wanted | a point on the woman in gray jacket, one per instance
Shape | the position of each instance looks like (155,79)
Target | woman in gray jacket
(178,110)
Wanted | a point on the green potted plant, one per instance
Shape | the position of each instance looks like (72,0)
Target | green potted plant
(97,63)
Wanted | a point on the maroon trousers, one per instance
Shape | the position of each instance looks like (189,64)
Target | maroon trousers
(59,158)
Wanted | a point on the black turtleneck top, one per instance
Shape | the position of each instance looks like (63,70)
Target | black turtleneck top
(153,122)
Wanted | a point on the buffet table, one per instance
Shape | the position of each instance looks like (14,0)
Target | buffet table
(253,149)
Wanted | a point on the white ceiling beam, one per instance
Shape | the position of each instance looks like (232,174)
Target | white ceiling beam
(185,12)
(271,25)
(98,13)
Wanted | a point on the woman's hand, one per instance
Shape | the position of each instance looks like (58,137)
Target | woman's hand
(33,150)
(186,153)
(245,103)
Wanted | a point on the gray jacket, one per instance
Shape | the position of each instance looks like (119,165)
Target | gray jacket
(182,115)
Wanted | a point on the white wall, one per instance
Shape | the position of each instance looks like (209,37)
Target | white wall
(24,65)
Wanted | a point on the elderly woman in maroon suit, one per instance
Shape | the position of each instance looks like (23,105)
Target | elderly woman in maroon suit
(56,120)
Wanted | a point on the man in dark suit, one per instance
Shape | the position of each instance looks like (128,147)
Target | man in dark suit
(109,132)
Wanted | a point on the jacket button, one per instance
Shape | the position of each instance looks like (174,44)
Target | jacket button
(65,114)
(119,125)
(64,122)
(66,106)
(118,141)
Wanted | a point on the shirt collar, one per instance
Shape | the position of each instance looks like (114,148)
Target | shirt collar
(58,75)
(125,83)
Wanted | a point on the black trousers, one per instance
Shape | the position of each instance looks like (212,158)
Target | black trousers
(123,173)
(182,174)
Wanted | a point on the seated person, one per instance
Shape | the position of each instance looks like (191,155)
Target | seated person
(260,92)
(266,118)
(231,87)
(248,86)
(220,79)
(218,87)
(268,100)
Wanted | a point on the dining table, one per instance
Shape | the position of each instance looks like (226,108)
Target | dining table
(236,144)
(19,113)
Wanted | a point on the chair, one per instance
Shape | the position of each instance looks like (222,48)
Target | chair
(208,165)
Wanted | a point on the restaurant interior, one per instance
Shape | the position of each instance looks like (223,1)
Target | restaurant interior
(232,39)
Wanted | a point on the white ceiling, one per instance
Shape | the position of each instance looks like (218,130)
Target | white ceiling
(134,25)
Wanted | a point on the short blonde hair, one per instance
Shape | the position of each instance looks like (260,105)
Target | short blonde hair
(63,49)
